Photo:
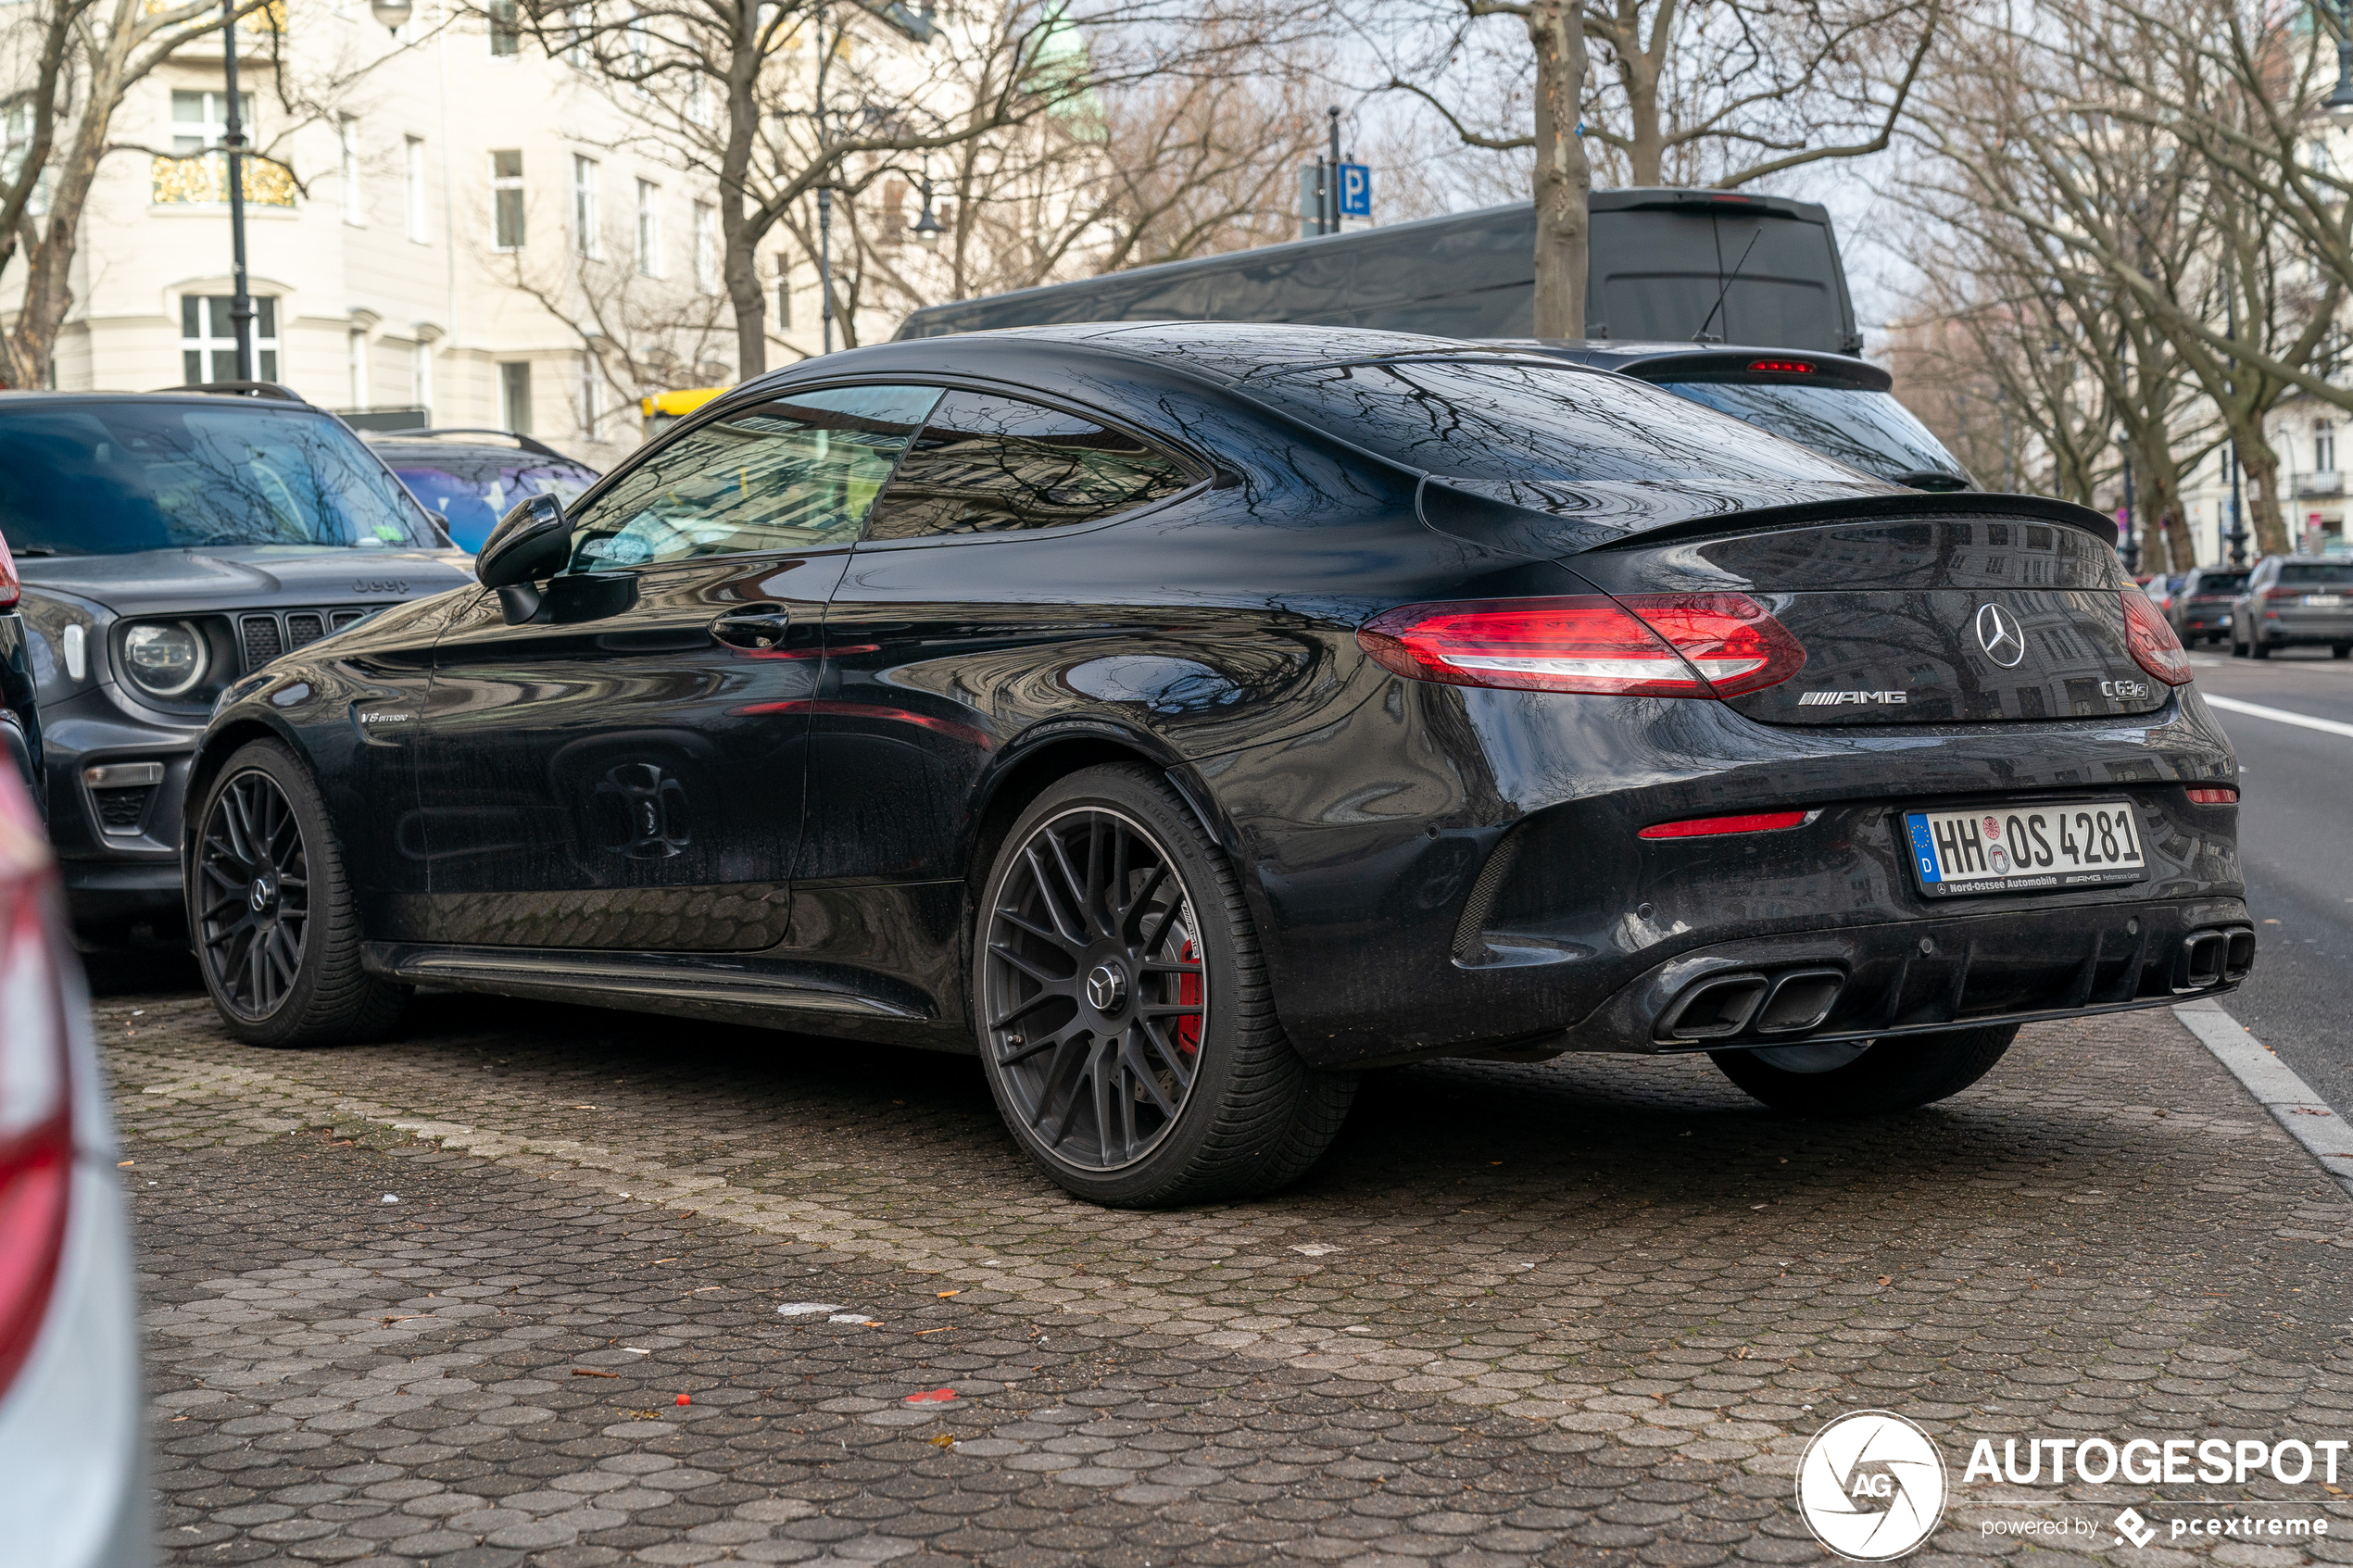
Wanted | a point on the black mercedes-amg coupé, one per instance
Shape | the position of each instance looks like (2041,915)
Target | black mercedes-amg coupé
(1187,718)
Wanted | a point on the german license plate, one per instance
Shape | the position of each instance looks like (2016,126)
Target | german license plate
(2323,601)
(2020,848)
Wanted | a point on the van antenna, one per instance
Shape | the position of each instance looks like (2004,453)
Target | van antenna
(1701,335)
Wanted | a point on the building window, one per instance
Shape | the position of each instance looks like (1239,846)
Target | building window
(413,173)
(506,199)
(698,101)
(584,206)
(650,228)
(421,376)
(514,397)
(16,144)
(2323,446)
(347,168)
(201,119)
(580,22)
(706,247)
(592,398)
(359,366)
(209,339)
(505,30)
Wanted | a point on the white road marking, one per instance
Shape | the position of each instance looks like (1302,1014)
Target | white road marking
(2292,1103)
(2280,715)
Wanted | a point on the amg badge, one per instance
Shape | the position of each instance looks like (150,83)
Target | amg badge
(1831,699)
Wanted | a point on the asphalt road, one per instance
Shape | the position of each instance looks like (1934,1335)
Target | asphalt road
(2295,829)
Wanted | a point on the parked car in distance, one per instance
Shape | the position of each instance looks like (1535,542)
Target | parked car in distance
(2201,608)
(2291,601)
(1185,719)
(468,478)
(169,543)
(1838,405)
(72,1431)
(20,705)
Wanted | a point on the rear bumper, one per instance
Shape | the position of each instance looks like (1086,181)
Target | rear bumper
(2298,627)
(1918,976)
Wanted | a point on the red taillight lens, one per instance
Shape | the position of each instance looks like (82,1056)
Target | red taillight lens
(1709,827)
(10,588)
(2283,593)
(1781,367)
(1652,644)
(36,1111)
(2150,636)
(2214,797)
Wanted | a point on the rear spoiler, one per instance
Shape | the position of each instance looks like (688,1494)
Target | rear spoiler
(1907,505)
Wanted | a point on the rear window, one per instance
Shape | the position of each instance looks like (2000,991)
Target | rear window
(2312,575)
(106,478)
(2220,582)
(1504,421)
(1870,429)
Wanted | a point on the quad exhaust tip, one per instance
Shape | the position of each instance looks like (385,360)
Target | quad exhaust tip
(2216,956)
(1724,1005)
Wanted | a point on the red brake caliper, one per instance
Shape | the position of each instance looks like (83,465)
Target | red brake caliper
(1189,995)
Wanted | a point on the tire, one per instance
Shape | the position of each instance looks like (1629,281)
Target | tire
(1887,1076)
(1112,924)
(2238,649)
(2259,649)
(2340,650)
(270,913)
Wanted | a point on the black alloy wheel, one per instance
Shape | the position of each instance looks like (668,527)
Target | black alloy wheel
(253,894)
(277,933)
(1123,1010)
(1096,994)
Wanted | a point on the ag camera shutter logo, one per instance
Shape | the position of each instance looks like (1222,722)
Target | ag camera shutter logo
(1871,1485)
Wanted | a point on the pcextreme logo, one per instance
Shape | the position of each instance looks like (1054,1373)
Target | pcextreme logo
(1871,1485)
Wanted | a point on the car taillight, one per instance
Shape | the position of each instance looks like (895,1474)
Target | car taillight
(1644,645)
(10,590)
(2283,593)
(1781,367)
(1712,827)
(36,1108)
(2150,636)
(2214,797)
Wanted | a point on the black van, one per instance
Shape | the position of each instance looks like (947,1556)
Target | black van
(1660,264)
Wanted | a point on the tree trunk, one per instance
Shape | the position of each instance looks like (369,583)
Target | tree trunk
(739,235)
(2261,467)
(30,350)
(1563,176)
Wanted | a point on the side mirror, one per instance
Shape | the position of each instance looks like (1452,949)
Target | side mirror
(532,541)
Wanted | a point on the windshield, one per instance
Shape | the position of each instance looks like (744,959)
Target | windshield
(2297,574)
(1505,422)
(470,494)
(1870,429)
(109,479)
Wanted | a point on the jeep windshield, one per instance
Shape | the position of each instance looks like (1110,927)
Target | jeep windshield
(108,477)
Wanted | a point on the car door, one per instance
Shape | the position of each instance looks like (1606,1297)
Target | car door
(626,770)
(975,553)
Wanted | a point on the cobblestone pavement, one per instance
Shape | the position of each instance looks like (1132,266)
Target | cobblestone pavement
(1581,1312)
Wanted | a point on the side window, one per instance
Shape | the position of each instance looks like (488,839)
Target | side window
(797,473)
(989,464)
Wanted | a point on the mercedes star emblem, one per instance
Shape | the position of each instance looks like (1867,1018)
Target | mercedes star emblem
(1998,634)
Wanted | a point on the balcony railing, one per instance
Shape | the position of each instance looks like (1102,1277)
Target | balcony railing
(2328,481)
(202,180)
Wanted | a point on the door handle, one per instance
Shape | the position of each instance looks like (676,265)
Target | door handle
(754,626)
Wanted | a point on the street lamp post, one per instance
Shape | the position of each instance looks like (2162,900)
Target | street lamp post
(233,140)
(2131,550)
(2236,537)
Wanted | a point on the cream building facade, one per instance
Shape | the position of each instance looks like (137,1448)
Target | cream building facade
(453,222)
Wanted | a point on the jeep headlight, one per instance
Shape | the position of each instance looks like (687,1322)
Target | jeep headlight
(165,658)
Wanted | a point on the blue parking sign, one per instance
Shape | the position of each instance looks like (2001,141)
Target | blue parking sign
(1355,191)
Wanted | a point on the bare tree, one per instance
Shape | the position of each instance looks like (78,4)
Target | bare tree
(1722,94)
(89,54)
(774,100)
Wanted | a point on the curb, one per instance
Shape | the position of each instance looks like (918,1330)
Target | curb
(2292,1103)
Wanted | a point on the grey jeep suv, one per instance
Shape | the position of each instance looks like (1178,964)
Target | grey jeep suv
(168,543)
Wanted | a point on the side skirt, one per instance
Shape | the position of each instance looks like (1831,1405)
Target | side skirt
(722,988)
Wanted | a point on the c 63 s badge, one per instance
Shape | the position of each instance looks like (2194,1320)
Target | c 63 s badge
(1832,699)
